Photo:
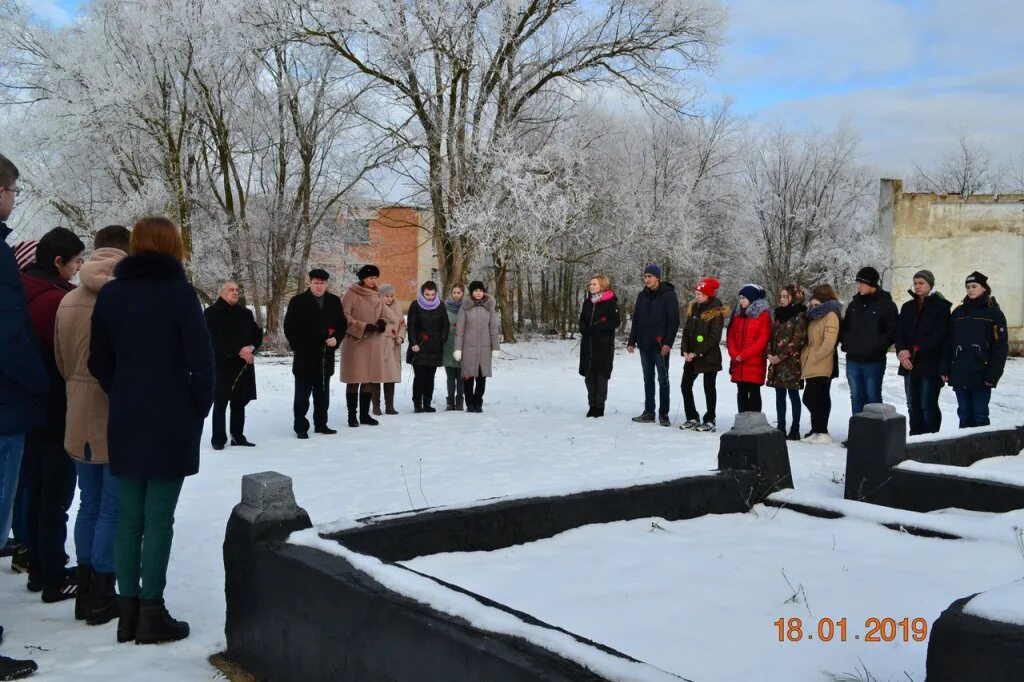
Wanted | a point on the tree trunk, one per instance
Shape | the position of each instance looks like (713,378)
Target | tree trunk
(501,292)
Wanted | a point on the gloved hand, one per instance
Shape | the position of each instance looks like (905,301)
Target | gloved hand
(369,329)
(457,355)
(495,354)
(381,326)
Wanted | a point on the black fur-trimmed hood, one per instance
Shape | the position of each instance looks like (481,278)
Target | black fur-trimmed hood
(150,266)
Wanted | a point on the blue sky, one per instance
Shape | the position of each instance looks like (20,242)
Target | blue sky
(906,74)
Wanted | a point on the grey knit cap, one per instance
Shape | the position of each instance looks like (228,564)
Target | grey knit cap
(386,289)
(927,276)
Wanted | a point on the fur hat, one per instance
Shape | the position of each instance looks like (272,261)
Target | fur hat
(477,284)
(319,273)
(869,276)
(708,286)
(752,292)
(368,271)
(653,269)
(386,289)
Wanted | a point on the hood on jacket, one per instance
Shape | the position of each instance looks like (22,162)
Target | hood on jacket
(37,282)
(358,288)
(881,293)
(487,302)
(754,310)
(984,301)
(714,308)
(661,286)
(149,265)
(824,309)
(99,269)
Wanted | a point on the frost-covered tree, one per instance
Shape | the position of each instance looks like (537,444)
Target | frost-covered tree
(965,169)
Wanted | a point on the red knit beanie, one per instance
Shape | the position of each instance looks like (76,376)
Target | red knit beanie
(708,286)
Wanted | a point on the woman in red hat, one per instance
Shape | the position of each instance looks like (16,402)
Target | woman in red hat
(702,352)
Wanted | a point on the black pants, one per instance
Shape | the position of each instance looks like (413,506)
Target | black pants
(50,475)
(474,389)
(710,393)
(423,384)
(748,397)
(455,384)
(220,406)
(321,403)
(818,400)
(597,388)
(780,405)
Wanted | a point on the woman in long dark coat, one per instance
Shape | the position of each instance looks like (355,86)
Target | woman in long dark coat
(428,332)
(151,352)
(789,336)
(599,318)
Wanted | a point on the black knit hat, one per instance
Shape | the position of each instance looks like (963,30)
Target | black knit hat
(319,273)
(477,284)
(368,271)
(869,276)
(978,278)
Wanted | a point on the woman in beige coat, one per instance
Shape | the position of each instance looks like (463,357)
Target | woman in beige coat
(393,338)
(362,352)
(476,343)
(818,360)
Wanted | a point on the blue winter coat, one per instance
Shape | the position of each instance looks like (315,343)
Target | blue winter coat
(655,318)
(23,378)
(151,352)
(976,345)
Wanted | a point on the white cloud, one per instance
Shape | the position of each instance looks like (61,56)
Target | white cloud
(51,11)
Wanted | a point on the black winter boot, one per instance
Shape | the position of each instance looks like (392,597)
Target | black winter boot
(364,410)
(781,426)
(82,596)
(102,606)
(128,621)
(460,404)
(156,625)
(352,402)
(66,587)
(449,405)
(13,669)
(794,432)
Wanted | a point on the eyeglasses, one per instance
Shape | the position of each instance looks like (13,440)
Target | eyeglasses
(13,190)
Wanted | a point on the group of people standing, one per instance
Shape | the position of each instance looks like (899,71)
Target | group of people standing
(460,334)
(795,347)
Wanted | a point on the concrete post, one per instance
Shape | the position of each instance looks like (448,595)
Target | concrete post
(752,444)
(878,442)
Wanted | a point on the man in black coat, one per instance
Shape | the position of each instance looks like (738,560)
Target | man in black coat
(920,335)
(236,338)
(653,331)
(866,332)
(313,324)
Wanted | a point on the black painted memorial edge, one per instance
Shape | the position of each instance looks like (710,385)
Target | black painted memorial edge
(963,646)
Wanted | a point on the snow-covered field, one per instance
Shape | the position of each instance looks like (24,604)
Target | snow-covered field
(533,438)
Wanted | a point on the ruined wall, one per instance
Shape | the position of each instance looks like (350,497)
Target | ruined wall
(953,236)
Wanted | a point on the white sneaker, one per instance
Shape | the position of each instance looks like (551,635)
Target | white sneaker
(809,439)
(821,439)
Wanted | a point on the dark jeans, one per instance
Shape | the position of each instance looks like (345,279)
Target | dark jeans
(780,405)
(423,384)
(220,406)
(865,380)
(50,477)
(321,403)
(11,449)
(454,383)
(710,393)
(145,528)
(474,390)
(972,406)
(651,361)
(923,404)
(818,399)
(748,397)
(97,516)
(597,388)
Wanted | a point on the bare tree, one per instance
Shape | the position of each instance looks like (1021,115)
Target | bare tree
(965,170)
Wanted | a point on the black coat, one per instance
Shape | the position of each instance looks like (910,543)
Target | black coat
(429,330)
(24,381)
(597,335)
(869,327)
(232,328)
(151,352)
(307,327)
(922,331)
(702,334)
(655,318)
(976,346)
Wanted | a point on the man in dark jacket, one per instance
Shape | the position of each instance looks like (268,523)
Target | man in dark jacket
(23,380)
(236,338)
(920,335)
(313,324)
(866,332)
(975,352)
(653,331)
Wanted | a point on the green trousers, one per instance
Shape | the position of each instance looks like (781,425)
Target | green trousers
(145,526)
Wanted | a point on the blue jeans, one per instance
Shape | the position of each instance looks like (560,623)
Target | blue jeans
(11,449)
(649,361)
(97,516)
(923,404)
(972,406)
(865,379)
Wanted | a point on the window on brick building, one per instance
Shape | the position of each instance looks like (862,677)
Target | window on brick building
(356,231)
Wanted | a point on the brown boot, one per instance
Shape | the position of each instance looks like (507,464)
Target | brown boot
(389,399)
(376,400)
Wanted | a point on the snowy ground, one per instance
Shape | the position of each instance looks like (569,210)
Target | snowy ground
(532,438)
